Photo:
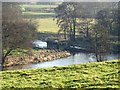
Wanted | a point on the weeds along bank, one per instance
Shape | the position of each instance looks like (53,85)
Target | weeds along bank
(34,56)
(91,75)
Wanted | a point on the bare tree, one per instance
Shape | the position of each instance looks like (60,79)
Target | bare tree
(17,32)
(101,41)
(67,15)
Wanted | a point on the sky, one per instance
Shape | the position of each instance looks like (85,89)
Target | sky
(59,0)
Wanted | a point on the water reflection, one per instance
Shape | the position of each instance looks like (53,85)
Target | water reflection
(74,59)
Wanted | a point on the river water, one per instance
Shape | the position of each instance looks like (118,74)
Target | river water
(77,58)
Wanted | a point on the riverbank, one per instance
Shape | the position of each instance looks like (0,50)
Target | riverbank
(91,75)
(35,57)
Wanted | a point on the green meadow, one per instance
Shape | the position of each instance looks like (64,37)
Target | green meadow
(90,75)
(44,20)
(37,13)
(39,6)
(46,25)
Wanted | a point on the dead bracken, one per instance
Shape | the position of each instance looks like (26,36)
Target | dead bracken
(37,56)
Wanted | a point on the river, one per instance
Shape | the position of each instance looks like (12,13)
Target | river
(77,58)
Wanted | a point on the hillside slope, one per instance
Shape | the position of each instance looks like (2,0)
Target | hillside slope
(90,75)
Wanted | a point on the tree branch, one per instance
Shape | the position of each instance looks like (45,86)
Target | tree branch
(5,55)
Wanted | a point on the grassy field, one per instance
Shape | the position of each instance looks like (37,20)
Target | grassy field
(46,25)
(37,13)
(39,6)
(91,75)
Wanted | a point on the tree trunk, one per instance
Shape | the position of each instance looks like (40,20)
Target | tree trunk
(65,34)
(96,55)
(87,31)
(110,27)
(70,31)
(96,45)
(5,55)
(74,28)
(100,59)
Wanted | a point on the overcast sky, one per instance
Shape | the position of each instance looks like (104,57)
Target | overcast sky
(59,0)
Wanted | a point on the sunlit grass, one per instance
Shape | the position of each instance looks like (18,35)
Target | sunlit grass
(37,13)
(91,75)
(47,25)
(39,6)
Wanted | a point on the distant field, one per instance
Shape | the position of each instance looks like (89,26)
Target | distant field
(37,13)
(46,25)
(39,6)
(43,19)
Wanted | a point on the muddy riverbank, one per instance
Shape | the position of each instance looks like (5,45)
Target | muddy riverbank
(35,57)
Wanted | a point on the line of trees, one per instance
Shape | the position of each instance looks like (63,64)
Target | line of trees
(98,21)
(68,13)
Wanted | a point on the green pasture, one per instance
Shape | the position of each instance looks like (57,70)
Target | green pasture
(83,76)
(46,25)
(37,13)
(39,6)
